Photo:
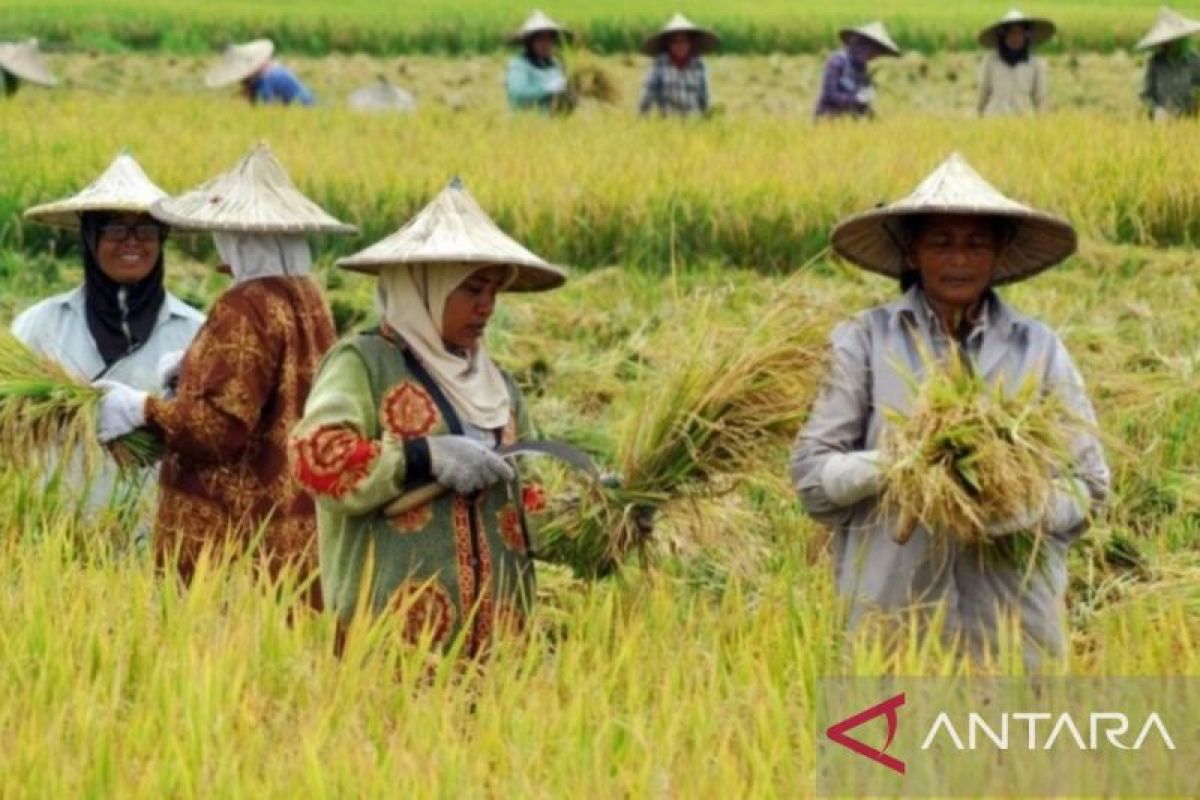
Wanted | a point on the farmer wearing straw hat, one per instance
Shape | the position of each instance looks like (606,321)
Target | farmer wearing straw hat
(535,77)
(847,89)
(949,245)
(243,383)
(22,61)
(1173,72)
(263,79)
(122,323)
(1012,80)
(419,401)
(677,84)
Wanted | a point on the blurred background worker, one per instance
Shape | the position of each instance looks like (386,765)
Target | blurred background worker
(847,89)
(1012,80)
(677,83)
(536,77)
(263,79)
(1173,72)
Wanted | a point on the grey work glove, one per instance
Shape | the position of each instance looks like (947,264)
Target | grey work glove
(465,465)
(850,478)
(1065,510)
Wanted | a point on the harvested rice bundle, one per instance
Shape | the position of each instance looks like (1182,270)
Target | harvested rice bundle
(44,407)
(969,454)
(716,414)
(593,83)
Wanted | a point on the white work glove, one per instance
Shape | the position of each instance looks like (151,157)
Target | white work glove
(168,369)
(1065,510)
(865,96)
(850,478)
(122,410)
(557,84)
(465,465)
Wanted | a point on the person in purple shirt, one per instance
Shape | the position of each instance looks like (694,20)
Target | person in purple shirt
(846,89)
(262,79)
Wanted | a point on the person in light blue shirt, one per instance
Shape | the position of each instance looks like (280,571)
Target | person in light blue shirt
(535,78)
(262,79)
(121,323)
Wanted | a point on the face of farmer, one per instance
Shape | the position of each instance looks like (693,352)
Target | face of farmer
(1016,37)
(543,44)
(680,47)
(956,257)
(470,306)
(127,247)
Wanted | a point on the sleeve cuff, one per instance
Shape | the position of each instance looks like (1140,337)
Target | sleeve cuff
(418,468)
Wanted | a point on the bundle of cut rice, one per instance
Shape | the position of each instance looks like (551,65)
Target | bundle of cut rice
(969,454)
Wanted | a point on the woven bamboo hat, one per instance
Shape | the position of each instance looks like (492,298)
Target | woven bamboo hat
(876,32)
(453,229)
(875,240)
(238,62)
(1041,30)
(1169,27)
(24,59)
(382,95)
(539,23)
(256,196)
(123,187)
(706,40)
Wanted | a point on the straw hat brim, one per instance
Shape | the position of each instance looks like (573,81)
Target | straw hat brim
(18,60)
(250,60)
(846,34)
(67,214)
(520,37)
(1039,242)
(1159,38)
(704,41)
(177,216)
(1040,31)
(531,277)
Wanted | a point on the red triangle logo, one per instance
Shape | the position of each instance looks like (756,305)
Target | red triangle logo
(837,732)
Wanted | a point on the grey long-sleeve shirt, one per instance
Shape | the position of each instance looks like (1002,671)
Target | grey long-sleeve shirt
(872,355)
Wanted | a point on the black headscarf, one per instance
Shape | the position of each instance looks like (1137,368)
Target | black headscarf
(120,317)
(1013,57)
(532,58)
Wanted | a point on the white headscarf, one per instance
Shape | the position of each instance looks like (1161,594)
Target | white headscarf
(412,299)
(263,255)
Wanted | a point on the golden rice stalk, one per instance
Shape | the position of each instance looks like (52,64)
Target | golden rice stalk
(730,400)
(45,408)
(594,83)
(968,453)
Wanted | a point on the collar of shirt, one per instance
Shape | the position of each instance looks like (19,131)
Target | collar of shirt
(995,315)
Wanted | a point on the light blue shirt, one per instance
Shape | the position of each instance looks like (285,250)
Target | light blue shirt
(533,87)
(57,328)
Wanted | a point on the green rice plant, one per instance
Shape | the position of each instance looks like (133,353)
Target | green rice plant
(967,454)
(43,407)
(703,424)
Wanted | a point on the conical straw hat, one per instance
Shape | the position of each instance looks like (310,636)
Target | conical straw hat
(123,187)
(453,229)
(1167,28)
(539,23)
(256,196)
(875,241)
(876,32)
(382,96)
(1041,30)
(24,59)
(706,40)
(238,62)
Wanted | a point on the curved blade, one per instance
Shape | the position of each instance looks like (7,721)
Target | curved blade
(572,456)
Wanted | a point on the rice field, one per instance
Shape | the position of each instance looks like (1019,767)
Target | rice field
(691,673)
(472,26)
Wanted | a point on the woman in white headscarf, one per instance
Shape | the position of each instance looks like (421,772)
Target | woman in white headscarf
(415,403)
(225,478)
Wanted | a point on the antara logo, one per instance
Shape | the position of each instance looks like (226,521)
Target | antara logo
(837,732)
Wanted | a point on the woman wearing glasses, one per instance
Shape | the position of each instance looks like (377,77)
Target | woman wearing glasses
(121,323)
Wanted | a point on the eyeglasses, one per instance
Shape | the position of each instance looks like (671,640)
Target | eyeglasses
(143,232)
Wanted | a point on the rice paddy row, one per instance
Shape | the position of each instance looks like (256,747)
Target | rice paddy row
(473,26)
